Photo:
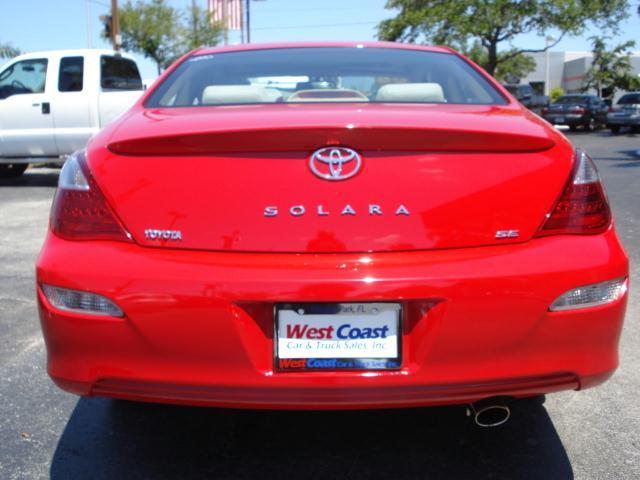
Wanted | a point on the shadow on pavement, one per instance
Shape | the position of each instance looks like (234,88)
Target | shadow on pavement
(604,133)
(631,164)
(632,159)
(44,177)
(114,439)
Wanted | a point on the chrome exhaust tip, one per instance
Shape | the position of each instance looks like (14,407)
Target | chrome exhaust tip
(490,412)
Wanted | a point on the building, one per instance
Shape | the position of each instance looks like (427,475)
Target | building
(565,69)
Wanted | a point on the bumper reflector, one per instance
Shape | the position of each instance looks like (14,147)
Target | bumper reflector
(81,302)
(590,295)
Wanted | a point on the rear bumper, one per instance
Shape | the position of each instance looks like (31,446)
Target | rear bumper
(622,121)
(31,160)
(199,326)
(567,119)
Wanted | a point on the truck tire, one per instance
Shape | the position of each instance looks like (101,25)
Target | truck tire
(12,170)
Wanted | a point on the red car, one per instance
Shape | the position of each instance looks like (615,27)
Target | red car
(330,225)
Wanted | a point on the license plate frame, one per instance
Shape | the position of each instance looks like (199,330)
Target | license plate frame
(360,315)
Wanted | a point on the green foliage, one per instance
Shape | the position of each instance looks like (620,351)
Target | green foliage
(150,28)
(199,30)
(496,22)
(510,68)
(633,84)
(555,93)
(8,51)
(163,33)
(611,68)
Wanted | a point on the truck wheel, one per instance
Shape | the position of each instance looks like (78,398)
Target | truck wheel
(12,170)
(614,128)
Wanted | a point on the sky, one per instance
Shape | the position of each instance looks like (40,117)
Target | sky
(33,25)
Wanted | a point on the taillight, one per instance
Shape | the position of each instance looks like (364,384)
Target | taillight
(592,295)
(578,109)
(80,211)
(582,208)
(545,110)
(81,302)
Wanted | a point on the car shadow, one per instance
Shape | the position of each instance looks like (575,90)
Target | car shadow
(631,164)
(625,158)
(632,160)
(33,177)
(115,439)
(600,132)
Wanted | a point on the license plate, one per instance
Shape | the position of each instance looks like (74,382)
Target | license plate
(337,336)
(559,119)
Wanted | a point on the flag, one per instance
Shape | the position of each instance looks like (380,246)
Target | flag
(233,12)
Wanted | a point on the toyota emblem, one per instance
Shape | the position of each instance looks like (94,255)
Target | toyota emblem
(335,163)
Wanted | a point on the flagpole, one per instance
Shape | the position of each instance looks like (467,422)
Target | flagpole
(225,20)
(242,22)
(248,22)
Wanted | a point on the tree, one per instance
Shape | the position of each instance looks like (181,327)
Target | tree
(8,51)
(199,30)
(150,29)
(164,33)
(510,68)
(555,94)
(497,22)
(610,69)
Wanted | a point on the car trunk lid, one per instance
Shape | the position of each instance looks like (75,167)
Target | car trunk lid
(240,179)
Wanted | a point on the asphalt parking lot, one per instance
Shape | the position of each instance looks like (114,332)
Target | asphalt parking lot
(46,433)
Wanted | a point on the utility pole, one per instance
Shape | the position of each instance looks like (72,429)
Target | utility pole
(248,3)
(89,33)
(548,41)
(194,23)
(116,38)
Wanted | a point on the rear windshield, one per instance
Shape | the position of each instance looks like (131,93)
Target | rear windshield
(326,74)
(629,99)
(573,99)
(117,73)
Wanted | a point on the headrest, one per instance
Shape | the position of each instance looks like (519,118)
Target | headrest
(411,92)
(226,94)
(328,95)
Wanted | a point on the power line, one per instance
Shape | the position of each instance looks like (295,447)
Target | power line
(287,10)
(290,27)
(99,3)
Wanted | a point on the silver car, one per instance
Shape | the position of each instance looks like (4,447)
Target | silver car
(626,113)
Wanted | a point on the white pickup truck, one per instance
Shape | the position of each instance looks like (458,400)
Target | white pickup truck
(51,103)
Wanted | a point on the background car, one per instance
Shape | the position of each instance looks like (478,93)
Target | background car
(626,113)
(527,96)
(577,110)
